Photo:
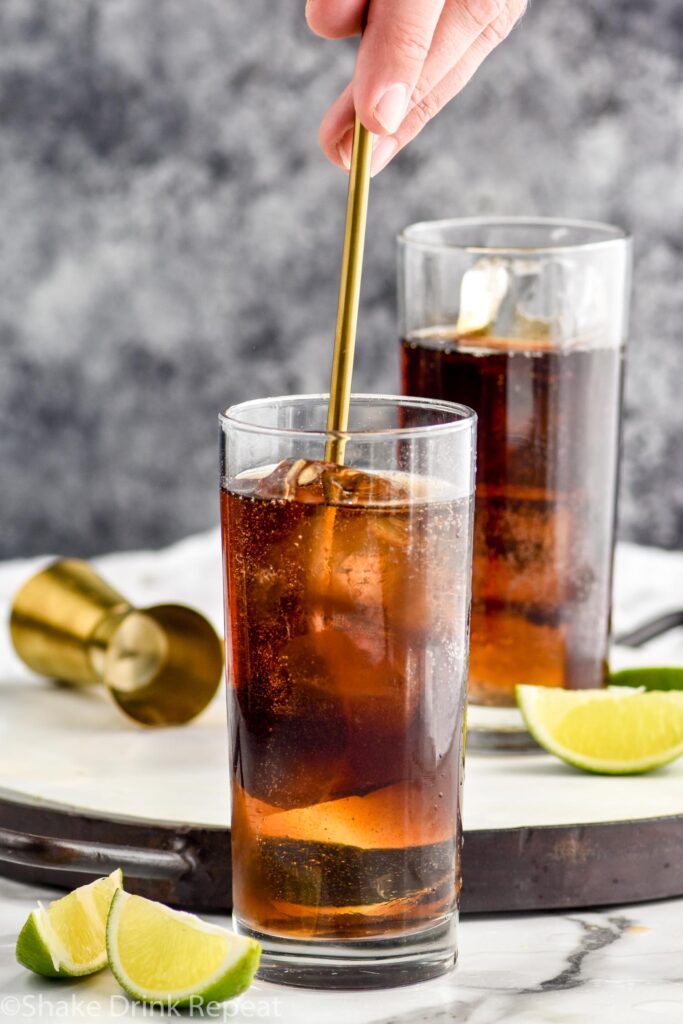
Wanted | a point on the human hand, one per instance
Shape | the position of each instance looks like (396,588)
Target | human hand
(415,55)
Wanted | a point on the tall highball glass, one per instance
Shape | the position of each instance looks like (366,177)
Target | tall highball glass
(525,321)
(347,606)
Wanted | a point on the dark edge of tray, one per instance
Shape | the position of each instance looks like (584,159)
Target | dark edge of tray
(205,884)
(544,867)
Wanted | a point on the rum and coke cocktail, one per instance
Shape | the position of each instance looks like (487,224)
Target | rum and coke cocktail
(348,591)
(525,322)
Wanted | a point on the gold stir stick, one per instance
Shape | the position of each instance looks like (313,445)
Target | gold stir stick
(349,291)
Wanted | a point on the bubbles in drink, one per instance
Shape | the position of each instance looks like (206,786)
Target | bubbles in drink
(348,669)
(546,441)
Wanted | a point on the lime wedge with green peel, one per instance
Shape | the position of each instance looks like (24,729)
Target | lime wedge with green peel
(67,938)
(618,731)
(165,956)
(656,678)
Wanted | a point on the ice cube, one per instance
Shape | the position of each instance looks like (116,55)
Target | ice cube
(555,300)
(482,291)
(294,480)
(345,485)
(322,721)
(312,482)
(367,606)
(537,300)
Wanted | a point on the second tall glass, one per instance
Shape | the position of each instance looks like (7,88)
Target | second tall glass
(525,321)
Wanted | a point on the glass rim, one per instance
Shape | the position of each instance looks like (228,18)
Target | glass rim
(614,235)
(463,419)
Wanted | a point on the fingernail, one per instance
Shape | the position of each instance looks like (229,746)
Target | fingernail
(382,154)
(344,147)
(391,107)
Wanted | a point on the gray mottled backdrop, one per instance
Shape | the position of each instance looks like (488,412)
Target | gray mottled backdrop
(170,236)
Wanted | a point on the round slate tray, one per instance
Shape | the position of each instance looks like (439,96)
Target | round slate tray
(82,791)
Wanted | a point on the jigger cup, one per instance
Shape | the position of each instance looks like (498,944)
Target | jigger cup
(162,664)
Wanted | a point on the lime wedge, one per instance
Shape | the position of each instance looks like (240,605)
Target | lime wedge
(656,678)
(617,731)
(165,956)
(67,938)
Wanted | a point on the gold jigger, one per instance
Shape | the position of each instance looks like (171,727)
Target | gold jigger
(162,665)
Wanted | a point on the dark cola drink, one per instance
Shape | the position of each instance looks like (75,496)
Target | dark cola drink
(347,670)
(547,443)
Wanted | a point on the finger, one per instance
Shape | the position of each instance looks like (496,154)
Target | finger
(460,25)
(449,86)
(458,30)
(392,53)
(336,129)
(334,19)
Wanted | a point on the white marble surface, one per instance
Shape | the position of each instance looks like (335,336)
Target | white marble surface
(620,965)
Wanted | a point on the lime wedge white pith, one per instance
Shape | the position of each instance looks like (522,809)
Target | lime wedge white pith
(67,938)
(165,956)
(618,731)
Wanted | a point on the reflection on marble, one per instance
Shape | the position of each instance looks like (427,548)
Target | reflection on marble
(618,966)
(171,236)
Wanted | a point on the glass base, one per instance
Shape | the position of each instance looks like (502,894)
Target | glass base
(356,963)
(498,730)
